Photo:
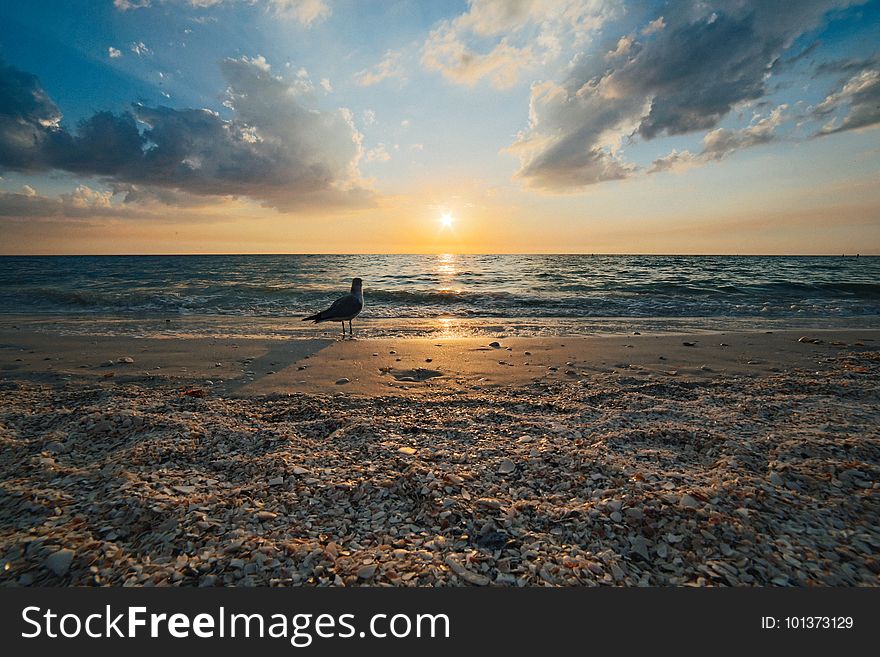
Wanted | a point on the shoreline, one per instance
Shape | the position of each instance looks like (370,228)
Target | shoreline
(265,366)
(755,463)
(291,327)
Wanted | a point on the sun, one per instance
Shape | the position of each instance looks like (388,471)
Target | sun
(446,220)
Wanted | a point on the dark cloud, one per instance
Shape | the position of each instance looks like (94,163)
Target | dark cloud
(683,77)
(28,118)
(847,66)
(277,148)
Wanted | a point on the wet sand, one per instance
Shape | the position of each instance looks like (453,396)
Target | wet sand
(410,366)
(693,459)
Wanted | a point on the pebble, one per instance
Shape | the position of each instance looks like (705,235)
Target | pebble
(495,345)
(59,562)
(467,575)
(640,547)
(126,359)
(409,451)
(366,572)
(342,381)
(276,481)
(688,502)
(506,466)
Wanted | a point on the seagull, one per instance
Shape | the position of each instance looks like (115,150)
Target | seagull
(344,309)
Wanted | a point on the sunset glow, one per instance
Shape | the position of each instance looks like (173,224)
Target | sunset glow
(485,126)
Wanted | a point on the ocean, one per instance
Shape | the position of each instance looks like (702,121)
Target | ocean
(429,294)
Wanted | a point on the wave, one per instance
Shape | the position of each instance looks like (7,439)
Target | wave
(474,286)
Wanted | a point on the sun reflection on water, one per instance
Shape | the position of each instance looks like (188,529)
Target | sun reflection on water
(446,270)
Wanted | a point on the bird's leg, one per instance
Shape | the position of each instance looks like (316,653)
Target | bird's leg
(350,331)
(343,330)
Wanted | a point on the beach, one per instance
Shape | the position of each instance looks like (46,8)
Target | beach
(649,459)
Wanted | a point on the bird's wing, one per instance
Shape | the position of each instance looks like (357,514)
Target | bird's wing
(342,307)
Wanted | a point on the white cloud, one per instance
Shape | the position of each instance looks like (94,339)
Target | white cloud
(369,117)
(521,35)
(859,97)
(388,67)
(654,26)
(125,5)
(140,49)
(326,86)
(307,12)
(378,154)
(722,142)
(114,52)
(86,197)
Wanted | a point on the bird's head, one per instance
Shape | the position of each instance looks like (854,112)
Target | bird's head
(356,284)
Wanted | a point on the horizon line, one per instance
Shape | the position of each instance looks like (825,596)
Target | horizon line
(436,253)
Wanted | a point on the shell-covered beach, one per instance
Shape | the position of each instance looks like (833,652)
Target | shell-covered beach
(698,460)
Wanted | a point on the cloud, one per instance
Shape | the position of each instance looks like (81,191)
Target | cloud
(378,154)
(847,66)
(82,202)
(114,52)
(388,67)
(722,142)
(707,59)
(444,52)
(654,26)
(307,12)
(159,196)
(277,148)
(28,120)
(140,49)
(675,161)
(521,34)
(125,5)
(859,98)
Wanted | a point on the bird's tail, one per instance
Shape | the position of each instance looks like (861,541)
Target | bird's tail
(315,318)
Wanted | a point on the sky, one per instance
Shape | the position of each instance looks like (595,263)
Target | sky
(404,126)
